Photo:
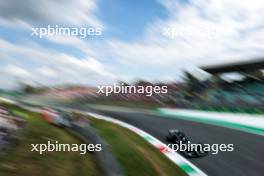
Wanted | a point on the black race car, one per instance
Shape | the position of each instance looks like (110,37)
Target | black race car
(175,136)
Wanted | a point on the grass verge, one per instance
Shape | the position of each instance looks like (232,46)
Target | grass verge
(21,161)
(136,156)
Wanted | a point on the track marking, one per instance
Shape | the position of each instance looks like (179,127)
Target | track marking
(176,158)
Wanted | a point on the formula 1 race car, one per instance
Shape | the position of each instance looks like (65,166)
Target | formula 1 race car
(55,117)
(177,137)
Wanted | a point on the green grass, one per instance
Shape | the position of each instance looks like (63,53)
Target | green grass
(153,106)
(136,156)
(249,110)
(21,161)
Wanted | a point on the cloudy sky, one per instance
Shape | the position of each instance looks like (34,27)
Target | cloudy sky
(150,39)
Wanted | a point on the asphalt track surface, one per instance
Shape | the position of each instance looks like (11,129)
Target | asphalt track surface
(246,160)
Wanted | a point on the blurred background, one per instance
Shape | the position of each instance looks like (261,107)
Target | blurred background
(201,50)
(209,53)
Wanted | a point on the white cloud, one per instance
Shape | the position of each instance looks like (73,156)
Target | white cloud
(238,27)
(12,75)
(47,72)
(43,66)
(31,12)
(239,36)
(16,71)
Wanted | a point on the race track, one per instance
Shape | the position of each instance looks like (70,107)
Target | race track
(246,160)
